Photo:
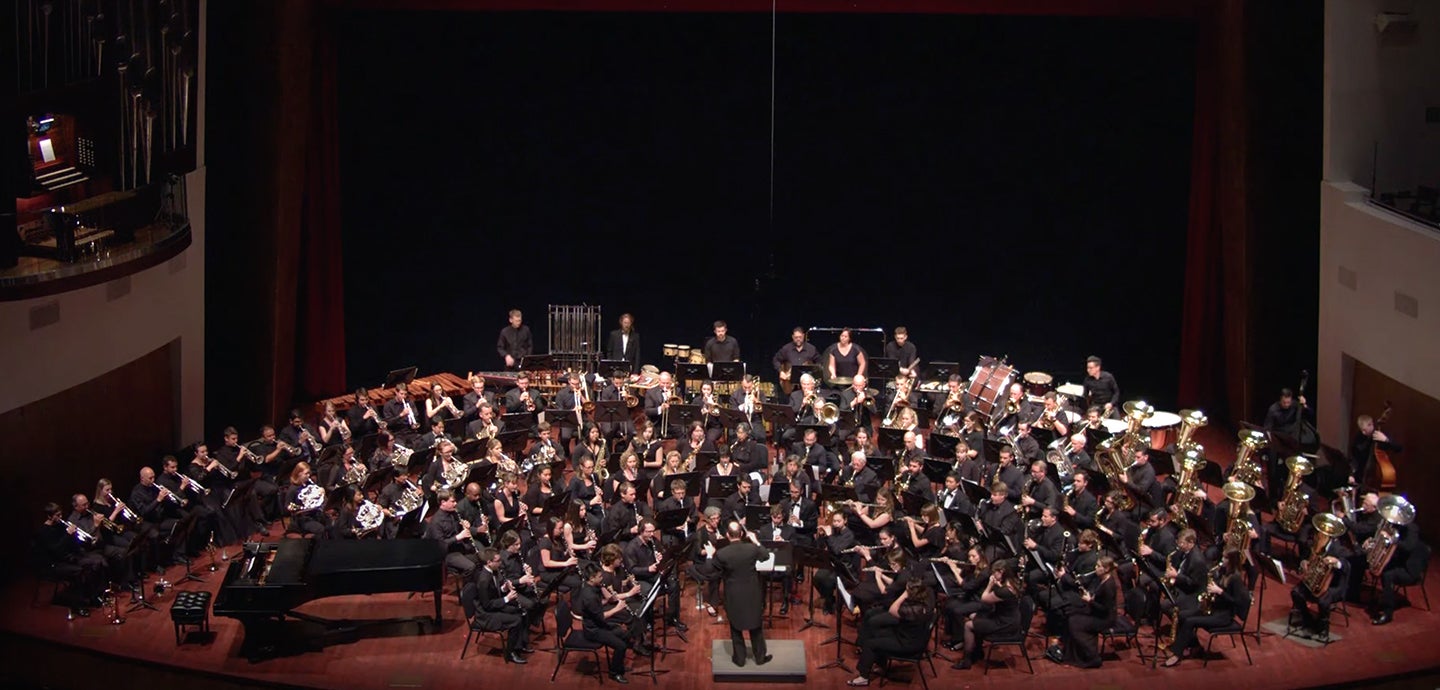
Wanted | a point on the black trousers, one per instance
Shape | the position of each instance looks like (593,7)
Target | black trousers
(616,644)
(1300,596)
(517,630)
(1185,635)
(877,640)
(757,643)
(1388,582)
(1083,635)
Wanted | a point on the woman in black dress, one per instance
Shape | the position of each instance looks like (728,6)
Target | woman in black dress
(1096,615)
(584,487)
(903,630)
(1002,593)
(926,534)
(557,560)
(972,574)
(845,359)
(538,490)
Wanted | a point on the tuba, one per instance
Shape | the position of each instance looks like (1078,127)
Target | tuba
(1190,421)
(1237,528)
(1246,467)
(1290,512)
(1315,572)
(1186,502)
(1380,548)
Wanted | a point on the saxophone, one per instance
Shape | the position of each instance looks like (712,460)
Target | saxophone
(1207,599)
(1174,630)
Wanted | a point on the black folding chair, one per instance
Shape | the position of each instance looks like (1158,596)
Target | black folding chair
(572,640)
(1017,639)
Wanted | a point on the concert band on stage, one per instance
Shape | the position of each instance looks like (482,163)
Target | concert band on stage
(902,507)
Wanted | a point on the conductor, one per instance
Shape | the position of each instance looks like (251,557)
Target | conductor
(736,563)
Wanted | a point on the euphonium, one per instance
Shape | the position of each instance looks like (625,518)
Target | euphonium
(1136,412)
(1380,548)
(1190,421)
(829,413)
(1246,468)
(1237,528)
(1315,571)
(1290,513)
(1186,502)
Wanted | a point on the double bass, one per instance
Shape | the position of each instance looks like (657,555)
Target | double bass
(1384,466)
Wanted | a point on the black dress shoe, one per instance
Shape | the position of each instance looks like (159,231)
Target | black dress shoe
(516,659)
(1382,619)
(676,624)
(527,649)
(762,660)
(619,678)
(739,661)
(785,608)
(641,650)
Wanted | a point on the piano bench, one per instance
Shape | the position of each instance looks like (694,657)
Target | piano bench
(191,608)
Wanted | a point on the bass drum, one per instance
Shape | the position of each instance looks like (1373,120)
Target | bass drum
(987,387)
(1038,383)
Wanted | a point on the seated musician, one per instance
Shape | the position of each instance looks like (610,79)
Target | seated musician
(796,353)
(1062,597)
(1017,408)
(1097,615)
(970,578)
(1029,448)
(817,458)
(557,560)
(710,407)
(1045,546)
(1158,539)
(334,475)
(882,579)
(156,505)
(1078,502)
(518,562)
(544,449)
(745,495)
(840,542)
(857,402)
(434,436)
(476,398)
(345,524)
(390,499)
(538,490)
(952,497)
(705,572)
(697,440)
(721,348)
(569,400)
(613,390)
(1336,556)
(902,630)
(724,467)
(630,473)
(118,567)
(949,406)
(592,445)
(271,453)
(193,502)
(1002,592)
(59,551)
(972,432)
(595,613)
(1186,572)
(510,510)
(1001,522)
(1009,472)
(927,536)
(621,586)
(801,513)
(1100,388)
(968,466)
(650,449)
(845,359)
(622,520)
(907,419)
(1038,492)
(859,475)
(585,487)
(863,442)
(301,437)
(913,481)
(642,560)
(334,429)
(1053,417)
(660,482)
(474,509)
(802,401)
(220,477)
(1229,603)
(364,419)
(657,406)
(440,406)
(1405,568)
(794,472)
(486,425)
(306,519)
(1075,452)
(522,398)
(489,601)
(385,448)
(444,462)
(751,457)
(676,499)
(1140,478)
(1363,447)
(399,414)
(777,529)
(515,342)
(747,399)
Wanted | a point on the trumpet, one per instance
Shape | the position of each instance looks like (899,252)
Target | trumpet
(247,454)
(307,439)
(125,511)
(80,535)
(107,523)
(225,471)
(527,400)
(188,483)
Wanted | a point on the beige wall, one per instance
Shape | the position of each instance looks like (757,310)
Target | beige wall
(1385,255)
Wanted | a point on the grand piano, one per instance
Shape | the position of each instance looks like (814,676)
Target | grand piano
(268,581)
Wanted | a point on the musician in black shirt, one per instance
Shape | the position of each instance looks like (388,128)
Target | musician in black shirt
(594,613)
(1362,448)
(1038,491)
(1002,524)
(722,348)
(1283,416)
(515,342)
(1078,502)
(1100,388)
(477,396)
(903,350)
(400,413)
(364,418)
(796,353)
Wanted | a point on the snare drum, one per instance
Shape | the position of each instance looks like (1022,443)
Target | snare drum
(1038,383)
(1164,428)
(670,350)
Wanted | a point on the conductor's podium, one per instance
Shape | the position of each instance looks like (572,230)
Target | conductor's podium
(787,664)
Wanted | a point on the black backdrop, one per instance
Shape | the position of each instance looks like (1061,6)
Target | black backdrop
(1000,185)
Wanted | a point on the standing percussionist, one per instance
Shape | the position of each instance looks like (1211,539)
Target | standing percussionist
(515,342)
(902,350)
(845,359)
(722,348)
(624,343)
(796,353)
(1100,388)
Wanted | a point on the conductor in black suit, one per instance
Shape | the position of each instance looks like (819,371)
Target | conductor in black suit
(743,598)
(624,343)
(495,606)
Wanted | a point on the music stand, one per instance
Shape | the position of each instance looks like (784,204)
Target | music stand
(911,503)
(730,417)
(992,448)
(941,371)
(691,372)
(727,371)
(470,449)
(831,493)
(400,377)
(847,603)
(518,421)
(882,465)
(536,362)
(705,459)
(611,412)
(778,492)
(1094,437)
(814,559)
(694,483)
(420,459)
(937,470)
(891,439)
(1163,462)
(511,441)
(140,542)
(454,428)
(179,537)
(756,516)
(942,445)
(882,368)
(720,487)
(684,415)
(616,367)
(974,491)
(822,433)
(780,416)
